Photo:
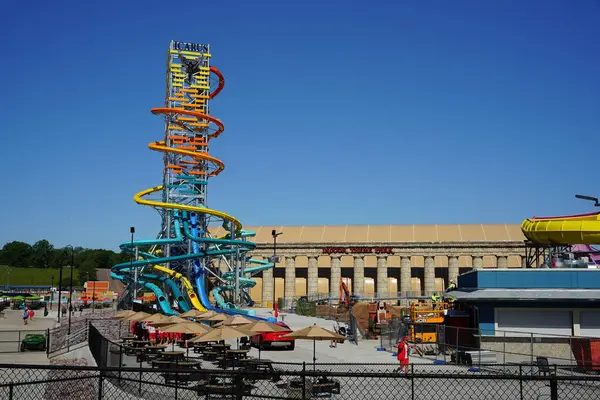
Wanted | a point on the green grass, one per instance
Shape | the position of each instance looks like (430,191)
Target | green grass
(34,276)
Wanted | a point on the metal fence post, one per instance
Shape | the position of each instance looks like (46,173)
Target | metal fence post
(120,363)
(531,349)
(521,381)
(412,381)
(140,381)
(553,388)
(48,342)
(304,380)
(100,383)
(10,391)
(19,343)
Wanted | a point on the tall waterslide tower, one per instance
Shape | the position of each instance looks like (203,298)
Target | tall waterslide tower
(187,259)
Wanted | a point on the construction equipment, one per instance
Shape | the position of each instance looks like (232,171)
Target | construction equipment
(345,297)
(425,318)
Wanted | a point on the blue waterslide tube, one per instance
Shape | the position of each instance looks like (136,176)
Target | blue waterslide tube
(160,296)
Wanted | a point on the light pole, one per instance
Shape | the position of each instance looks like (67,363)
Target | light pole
(590,198)
(51,291)
(59,290)
(70,308)
(135,277)
(274,259)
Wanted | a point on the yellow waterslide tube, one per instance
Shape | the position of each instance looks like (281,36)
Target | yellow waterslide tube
(186,284)
(565,230)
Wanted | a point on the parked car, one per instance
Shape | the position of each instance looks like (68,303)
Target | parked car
(268,340)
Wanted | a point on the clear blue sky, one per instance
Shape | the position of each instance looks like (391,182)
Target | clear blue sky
(335,112)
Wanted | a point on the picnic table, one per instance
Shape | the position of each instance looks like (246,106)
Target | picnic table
(172,355)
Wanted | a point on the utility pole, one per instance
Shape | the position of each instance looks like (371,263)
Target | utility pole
(274,260)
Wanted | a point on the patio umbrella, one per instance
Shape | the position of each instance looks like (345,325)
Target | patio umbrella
(261,327)
(314,333)
(187,328)
(174,319)
(216,317)
(221,333)
(235,320)
(138,316)
(206,315)
(156,318)
(124,314)
(192,314)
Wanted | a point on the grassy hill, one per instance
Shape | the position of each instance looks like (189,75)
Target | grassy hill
(34,276)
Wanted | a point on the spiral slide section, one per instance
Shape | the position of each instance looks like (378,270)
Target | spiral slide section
(185,251)
(564,230)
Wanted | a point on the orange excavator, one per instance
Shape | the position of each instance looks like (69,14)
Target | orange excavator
(345,297)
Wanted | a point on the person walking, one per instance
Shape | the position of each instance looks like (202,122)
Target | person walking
(403,354)
(336,329)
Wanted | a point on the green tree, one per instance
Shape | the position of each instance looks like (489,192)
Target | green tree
(87,270)
(42,253)
(16,254)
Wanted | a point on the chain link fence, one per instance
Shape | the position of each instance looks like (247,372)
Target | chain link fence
(297,381)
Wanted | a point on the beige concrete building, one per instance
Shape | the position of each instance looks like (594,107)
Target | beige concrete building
(379,260)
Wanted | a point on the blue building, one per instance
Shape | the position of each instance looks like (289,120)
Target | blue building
(546,302)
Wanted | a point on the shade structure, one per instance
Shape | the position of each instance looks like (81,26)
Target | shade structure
(170,320)
(138,316)
(206,315)
(314,333)
(217,317)
(156,318)
(235,320)
(192,314)
(221,333)
(124,314)
(187,328)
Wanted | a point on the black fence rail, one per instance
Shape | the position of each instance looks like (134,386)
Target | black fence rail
(14,341)
(64,338)
(54,382)
(120,375)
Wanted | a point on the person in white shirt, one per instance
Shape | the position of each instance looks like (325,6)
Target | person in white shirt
(336,329)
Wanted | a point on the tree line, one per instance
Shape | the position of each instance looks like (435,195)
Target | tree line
(42,254)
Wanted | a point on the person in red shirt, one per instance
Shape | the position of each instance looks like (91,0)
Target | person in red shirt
(403,354)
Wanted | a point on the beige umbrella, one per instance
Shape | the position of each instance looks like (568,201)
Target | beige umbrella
(192,314)
(221,333)
(156,318)
(206,315)
(217,317)
(124,314)
(235,321)
(314,333)
(260,327)
(187,328)
(170,320)
(138,316)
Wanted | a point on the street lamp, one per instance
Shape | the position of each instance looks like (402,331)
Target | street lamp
(70,308)
(274,259)
(59,289)
(135,278)
(51,291)
(590,198)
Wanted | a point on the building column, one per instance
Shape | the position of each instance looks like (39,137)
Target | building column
(477,262)
(501,262)
(405,275)
(268,288)
(335,276)
(313,275)
(453,269)
(358,281)
(523,262)
(429,276)
(290,280)
(382,276)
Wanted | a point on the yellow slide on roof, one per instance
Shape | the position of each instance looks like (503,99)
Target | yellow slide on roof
(565,230)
